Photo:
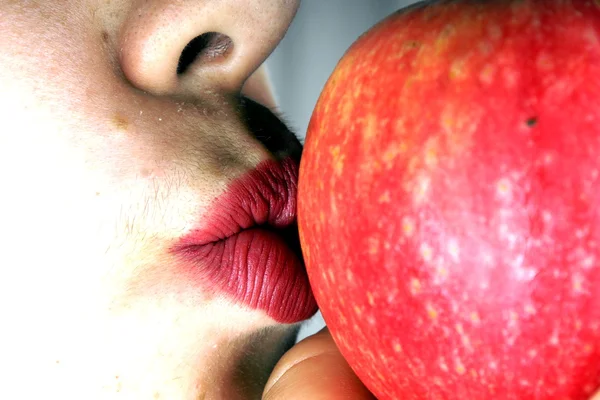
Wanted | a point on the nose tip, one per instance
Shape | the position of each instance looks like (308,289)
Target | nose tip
(188,47)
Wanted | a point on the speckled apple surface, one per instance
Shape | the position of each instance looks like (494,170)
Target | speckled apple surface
(448,202)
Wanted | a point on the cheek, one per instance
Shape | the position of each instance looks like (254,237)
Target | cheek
(75,199)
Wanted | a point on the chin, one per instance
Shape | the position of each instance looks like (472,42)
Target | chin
(249,368)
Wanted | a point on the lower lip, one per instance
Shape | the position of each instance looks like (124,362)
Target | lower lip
(256,268)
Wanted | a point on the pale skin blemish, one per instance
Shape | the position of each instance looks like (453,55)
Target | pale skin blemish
(432,313)
(357,310)
(408,226)
(400,127)
(548,157)
(494,31)
(397,346)
(487,258)
(330,276)
(546,217)
(385,198)
(443,365)
(338,160)
(453,249)
(374,245)
(577,284)
(442,272)
(431,152)
(370,127)
(426,252)
(510,78)
(390,155)
(485,47)
(422,189)
(529,309)
(370,299)
(415,286)
(532,353)
(347,108)
(448,122)
(487,74)
(459,367)
(517,262)
(588,262)
(503,187)
(544,62)
(349,276)
(458,70)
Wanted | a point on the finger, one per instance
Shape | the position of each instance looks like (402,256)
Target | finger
(315,369)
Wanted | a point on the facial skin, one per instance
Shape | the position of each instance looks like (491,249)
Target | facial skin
(107,157)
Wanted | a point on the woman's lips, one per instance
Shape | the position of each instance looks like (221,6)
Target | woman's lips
(247,247)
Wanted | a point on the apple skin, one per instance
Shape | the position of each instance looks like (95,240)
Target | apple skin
(448,202)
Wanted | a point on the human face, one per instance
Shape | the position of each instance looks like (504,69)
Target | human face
(124,179)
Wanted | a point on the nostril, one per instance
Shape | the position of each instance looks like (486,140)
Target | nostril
(207,48)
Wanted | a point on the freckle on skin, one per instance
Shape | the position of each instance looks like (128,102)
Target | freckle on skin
(120,122)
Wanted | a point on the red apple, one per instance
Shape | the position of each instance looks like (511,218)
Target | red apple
(449,201)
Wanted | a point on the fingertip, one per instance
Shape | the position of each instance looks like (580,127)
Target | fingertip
(315,369)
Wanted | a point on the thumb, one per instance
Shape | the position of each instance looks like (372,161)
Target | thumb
(315,369)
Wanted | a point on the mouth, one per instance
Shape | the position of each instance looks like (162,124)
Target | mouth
(248,247)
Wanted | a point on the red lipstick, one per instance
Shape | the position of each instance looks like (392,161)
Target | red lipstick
(247,248)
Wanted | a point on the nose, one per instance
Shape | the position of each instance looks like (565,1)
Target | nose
(186,47)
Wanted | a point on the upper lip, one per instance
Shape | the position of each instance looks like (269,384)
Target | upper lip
(265,197)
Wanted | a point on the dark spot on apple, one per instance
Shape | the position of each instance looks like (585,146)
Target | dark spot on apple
(531,122)
(413,44)
(105,37)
